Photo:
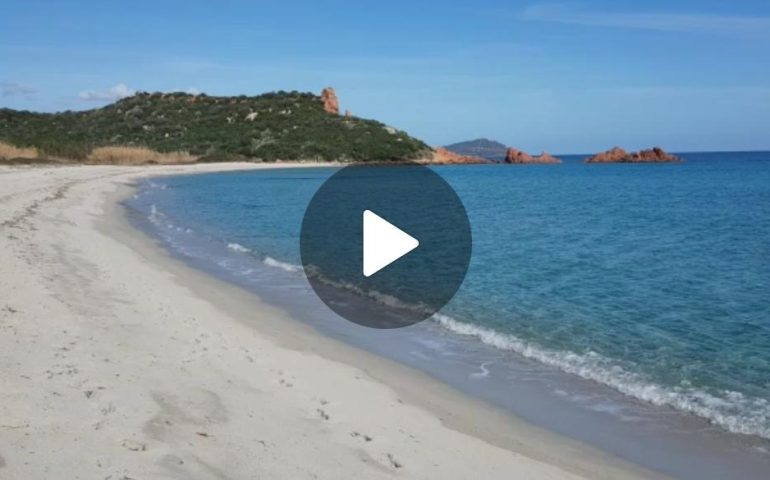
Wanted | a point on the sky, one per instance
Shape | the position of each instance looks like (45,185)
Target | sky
(566,77)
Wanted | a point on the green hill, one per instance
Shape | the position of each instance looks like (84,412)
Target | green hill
(268,127)
(481,147)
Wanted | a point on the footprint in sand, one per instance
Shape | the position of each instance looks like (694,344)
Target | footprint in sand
(199,469)
(192,408)
(134,446)
(393,462)
(362,436)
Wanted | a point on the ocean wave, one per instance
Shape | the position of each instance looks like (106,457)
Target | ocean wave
(730,410)
(159,219)
(379,297)
(314,272)
(156,185)
(289,267)
(733,411)
(483,371)
(237,247)
(155,216)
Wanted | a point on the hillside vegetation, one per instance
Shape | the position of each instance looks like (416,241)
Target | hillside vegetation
(183,127)
(481,147)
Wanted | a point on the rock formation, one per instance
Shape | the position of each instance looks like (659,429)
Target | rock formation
(546,157)
(513,155)
(331,103)
(654,154)
(618,155)
(443,156)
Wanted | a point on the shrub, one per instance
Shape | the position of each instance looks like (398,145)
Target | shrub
(273,126)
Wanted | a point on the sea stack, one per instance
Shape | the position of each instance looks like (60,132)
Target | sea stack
(546,157)
(618,155)
(331,103)
(515,156)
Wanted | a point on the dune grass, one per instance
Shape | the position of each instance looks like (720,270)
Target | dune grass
(126,155)
(10,152)
(109,155)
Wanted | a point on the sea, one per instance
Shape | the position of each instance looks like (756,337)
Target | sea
(623,305)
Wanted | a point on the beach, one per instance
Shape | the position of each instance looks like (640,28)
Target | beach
(119,361)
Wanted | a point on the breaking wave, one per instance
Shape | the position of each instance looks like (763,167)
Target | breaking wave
(731,410)
(289,267)
(734,411)
(237,247)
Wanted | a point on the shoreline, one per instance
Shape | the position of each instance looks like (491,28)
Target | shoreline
(643,434)
(455,409)
(190,369)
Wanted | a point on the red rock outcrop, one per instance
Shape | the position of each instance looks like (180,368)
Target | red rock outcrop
(618,155)
(654,154)
(615,154)
(546,157)
(443,156)
(331,103)
(513,155)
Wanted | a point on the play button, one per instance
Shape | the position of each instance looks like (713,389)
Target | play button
(386,246)
(384,243)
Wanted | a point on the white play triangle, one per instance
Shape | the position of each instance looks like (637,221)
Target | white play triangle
(384,243)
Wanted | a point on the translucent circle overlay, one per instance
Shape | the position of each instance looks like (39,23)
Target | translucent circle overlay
(415,199)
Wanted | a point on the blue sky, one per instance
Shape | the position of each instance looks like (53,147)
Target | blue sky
(558,76)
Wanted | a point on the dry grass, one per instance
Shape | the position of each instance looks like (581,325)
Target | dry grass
(9,152)
(122,155)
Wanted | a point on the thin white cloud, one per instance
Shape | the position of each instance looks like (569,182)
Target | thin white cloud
(11,89)
(112,94)
(673,22)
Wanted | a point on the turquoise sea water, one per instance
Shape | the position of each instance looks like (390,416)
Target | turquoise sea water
(653,280)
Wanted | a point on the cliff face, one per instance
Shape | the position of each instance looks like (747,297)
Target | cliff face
(331,102)
(618,155)
(515,156)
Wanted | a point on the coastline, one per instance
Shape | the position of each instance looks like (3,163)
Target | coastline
(157,368)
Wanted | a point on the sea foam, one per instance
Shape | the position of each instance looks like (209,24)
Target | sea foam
(237,247)
(289,267)
(731,410)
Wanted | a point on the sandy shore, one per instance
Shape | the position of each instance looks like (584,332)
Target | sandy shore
(118,362)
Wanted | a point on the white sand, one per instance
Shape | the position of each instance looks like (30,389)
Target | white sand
(118,362)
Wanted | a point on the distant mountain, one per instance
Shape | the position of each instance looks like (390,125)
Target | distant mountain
(481,147)
(268,127)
